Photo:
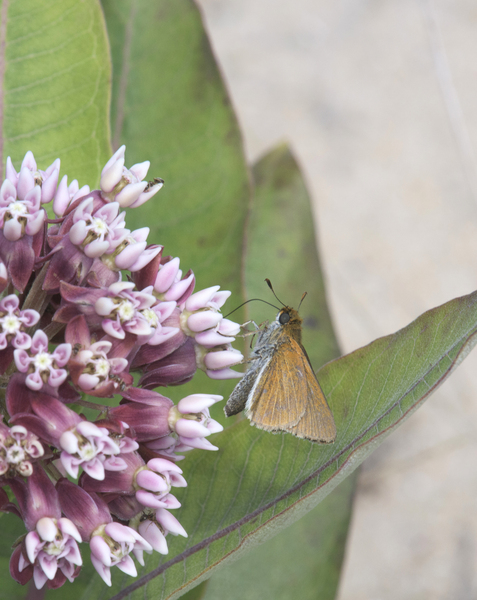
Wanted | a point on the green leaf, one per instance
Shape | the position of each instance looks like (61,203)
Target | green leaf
(303,560)
(307,557)
(259,483)
(56,85)
(170,107)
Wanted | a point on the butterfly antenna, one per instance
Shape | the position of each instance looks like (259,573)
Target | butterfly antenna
(269,283)
(246,302)
(302,298)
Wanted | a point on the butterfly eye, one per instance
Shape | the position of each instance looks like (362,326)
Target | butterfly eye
(284,318)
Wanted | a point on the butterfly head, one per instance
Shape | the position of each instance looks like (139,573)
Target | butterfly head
(289,316)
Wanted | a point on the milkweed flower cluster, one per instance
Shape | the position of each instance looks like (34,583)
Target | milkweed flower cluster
(73,330)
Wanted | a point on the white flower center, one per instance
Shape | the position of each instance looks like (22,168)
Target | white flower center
(11,324)
(126,310)
(56,547)
(99,227)
(119,550)
(15,454)
(43,361)
(87,451)
(151,317)
(101,367)
(17,209)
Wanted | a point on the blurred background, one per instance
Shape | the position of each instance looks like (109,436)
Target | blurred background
(378,100)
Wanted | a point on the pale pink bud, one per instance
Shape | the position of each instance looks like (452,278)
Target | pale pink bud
(169,522)
(196,403)
(202,320)
(201,299)
(223,359)
(224,374)
(130,194)
(166,276)
(190,429)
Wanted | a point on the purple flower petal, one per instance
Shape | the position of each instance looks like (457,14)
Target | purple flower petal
(151,532)
(100,550)
(169,522)
(103,571)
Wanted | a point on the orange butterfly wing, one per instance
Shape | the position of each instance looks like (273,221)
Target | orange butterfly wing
(286,396)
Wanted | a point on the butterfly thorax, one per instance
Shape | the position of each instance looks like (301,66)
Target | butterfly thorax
(290,322)
(286,325)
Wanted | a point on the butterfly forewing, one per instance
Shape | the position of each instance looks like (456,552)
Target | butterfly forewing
(286,396)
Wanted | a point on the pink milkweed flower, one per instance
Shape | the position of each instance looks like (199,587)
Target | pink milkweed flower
(125,185)
(216,362)
(97,231)
(192,422)
(164,274)
(155,481)
(101,234)
(202,320)
(20,217)
(51,543)
(42,366)
(154,525)
(21,232)
(30,176)
(151,483)
(52,546)
(90,367)
(132,253)
(110,543)
(169,284)
(92,448)
(90,229)
(124,310)
(111,546)
(155,317)
(100,372)
(83,444)
(67,194)
(14,322)
(18,449)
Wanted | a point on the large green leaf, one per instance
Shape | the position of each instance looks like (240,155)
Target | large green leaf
(170,107)
(55,98)
(259,483)
(281,243)
(303,560)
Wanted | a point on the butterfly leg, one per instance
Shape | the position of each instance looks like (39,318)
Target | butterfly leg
(249,359)
(246,332)
(256,329)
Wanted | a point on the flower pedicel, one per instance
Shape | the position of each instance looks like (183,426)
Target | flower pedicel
(72,326)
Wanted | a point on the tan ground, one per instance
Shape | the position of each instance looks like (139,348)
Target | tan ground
(379,102)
